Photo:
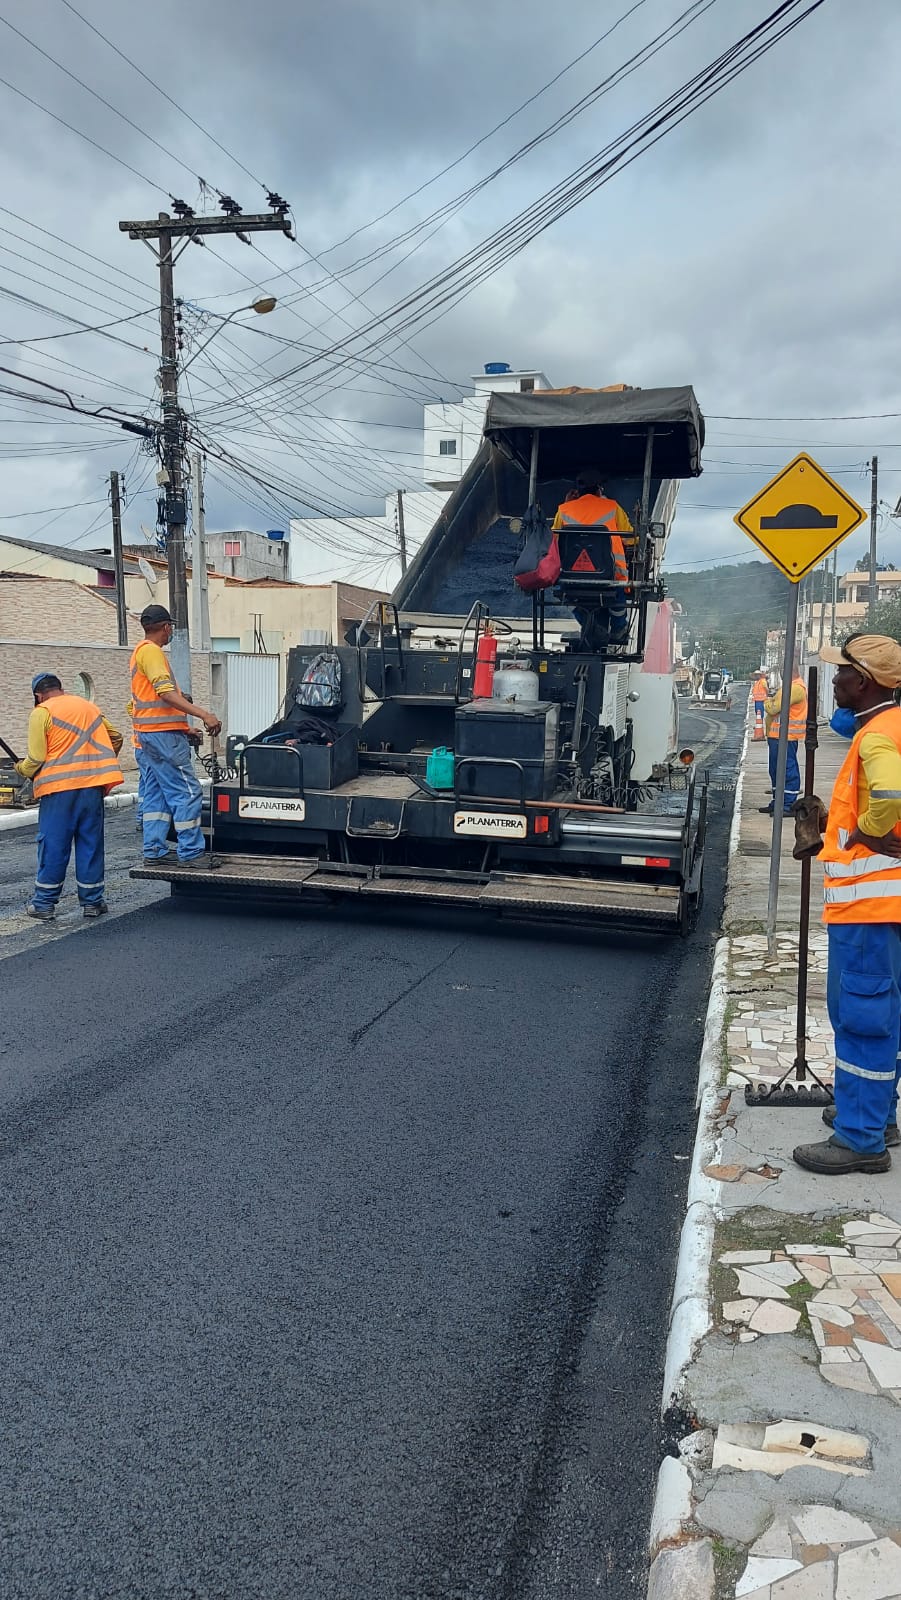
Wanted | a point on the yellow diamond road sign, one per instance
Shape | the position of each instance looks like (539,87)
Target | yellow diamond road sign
(799,517)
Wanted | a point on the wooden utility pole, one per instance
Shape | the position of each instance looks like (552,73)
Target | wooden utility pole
(401,532)
(874,477)
(118,563)
(160,235)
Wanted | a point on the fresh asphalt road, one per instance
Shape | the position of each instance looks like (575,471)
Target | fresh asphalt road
(337,1251)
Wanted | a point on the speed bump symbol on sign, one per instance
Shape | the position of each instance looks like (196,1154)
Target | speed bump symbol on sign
(800,516)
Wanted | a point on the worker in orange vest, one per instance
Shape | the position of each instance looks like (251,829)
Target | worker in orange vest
(590,508)
(758,695)
(160,712)
(72,765)
(862,912)
(797,726)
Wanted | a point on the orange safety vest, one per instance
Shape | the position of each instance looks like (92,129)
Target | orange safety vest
(797,718)
(151,714)
(597,511)
(761,690)
(860,885)
(79,752)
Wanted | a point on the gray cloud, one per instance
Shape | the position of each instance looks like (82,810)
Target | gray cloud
(752,253)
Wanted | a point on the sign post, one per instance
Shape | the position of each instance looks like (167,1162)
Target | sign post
(796,519)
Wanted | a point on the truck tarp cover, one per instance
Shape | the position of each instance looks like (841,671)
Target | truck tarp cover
(609,430)
(470,551)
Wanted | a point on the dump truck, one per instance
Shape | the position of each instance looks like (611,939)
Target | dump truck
(477,751)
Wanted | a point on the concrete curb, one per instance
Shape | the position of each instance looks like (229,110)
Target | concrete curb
(113,802)
(690,1309)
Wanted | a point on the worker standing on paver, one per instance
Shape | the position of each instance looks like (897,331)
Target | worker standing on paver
(160,715)
(797,724)
(862,861)
(72,765)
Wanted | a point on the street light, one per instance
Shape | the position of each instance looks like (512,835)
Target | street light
(262,306)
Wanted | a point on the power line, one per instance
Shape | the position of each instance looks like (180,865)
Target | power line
(166,96)
(437,295)
(87,138)
(97,96)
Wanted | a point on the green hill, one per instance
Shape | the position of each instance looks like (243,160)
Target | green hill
(727,611)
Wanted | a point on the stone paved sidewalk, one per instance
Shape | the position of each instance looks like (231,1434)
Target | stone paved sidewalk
(785,1478)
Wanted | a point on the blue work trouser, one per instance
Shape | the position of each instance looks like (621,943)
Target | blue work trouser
(172,795)
(139,763)
(758,710)
(71,816)
(864,995)
(792,773)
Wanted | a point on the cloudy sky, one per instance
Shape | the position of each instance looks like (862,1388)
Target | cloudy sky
(753,252)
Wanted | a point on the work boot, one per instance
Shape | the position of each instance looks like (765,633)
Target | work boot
(765,811)
(99,910)
(810,821)
(834,1159)
(40,913)
(154,861)
(192,864)
(892,1132)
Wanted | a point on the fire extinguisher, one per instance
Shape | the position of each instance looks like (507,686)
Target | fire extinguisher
(486,658)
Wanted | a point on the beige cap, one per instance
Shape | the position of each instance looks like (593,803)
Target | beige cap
(874,654)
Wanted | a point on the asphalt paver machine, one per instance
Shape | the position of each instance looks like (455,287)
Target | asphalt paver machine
(481,753)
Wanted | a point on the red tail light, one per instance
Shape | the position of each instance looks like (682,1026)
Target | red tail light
(657,861)
(542,825)
(223,802)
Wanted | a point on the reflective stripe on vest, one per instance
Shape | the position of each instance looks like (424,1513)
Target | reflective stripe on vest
(797,719)
(597,511)
(79,752)
(150,713)
(860,885)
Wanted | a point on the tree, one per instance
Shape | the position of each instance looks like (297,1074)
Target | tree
(863,565)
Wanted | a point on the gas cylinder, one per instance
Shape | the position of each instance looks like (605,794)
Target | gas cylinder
(486,655)
(516,681)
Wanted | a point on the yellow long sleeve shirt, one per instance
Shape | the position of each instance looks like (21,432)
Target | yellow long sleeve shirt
(878,785)
(772,707)
(38,728)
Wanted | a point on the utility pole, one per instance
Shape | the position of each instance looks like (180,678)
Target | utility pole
(834,593)
(118,563)
(823,586)
(160,236)
(200,584)
(874,476)
(401,532)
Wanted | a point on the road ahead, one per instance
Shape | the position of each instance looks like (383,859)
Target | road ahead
(337,1252)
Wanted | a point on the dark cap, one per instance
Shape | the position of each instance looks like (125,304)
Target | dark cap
(154,616)
(45,680)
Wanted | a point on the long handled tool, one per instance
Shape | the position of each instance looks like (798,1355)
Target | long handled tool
(799,1092)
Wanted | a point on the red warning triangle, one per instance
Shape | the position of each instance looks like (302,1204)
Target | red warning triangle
(583,563)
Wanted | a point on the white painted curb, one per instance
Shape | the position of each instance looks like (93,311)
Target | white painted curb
(29,818)
(690,1310)
(113,802)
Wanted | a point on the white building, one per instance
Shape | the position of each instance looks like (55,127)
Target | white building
(451,435)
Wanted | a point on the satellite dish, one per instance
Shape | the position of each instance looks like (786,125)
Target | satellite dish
(147,573)
(150,537)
